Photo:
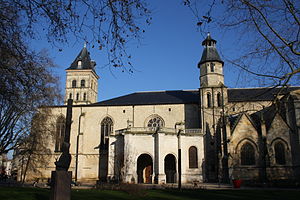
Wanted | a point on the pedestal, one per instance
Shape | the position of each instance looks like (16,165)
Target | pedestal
(61,185)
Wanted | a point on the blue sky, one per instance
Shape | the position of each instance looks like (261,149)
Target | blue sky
(166,58)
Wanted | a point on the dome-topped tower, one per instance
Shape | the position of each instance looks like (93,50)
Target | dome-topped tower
(82,79)
(213,98)
(211,65)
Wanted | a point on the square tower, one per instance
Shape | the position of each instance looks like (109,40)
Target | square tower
(82,80)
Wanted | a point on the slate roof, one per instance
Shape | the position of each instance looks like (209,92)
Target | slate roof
(152,98)
(256,94)
(210,52)
(84,57)
(192,96)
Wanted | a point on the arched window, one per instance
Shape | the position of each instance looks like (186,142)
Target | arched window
(212,67)
(193,157)
(77,96)
(155,121)
(219,100)
(82,83)
(84,96)
(106,129)
(279,153)
(74,84)
(208,95)
(247,154)
(70,96)
(60,133)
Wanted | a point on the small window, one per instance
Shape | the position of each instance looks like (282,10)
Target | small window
(77,96)
(212,67)
(84,96)
(79,64)
(70,96)
(247,154)
(193,157)
(208,100)
(82,83)
(219,100)
(74,84)
(279,153)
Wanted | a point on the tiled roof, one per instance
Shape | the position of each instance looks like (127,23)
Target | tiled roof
(192,96)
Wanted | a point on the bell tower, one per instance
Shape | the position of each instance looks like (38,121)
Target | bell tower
(82,80)
(213,99)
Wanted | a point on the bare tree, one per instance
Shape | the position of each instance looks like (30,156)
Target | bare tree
(269,35)
(106,24)
(26,81)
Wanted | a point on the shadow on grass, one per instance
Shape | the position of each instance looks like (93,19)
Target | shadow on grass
(19,193)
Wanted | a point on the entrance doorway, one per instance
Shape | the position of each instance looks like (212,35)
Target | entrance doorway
(170,168)
(144,168)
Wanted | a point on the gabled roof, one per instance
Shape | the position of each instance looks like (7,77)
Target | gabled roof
(86,62)
(235,119)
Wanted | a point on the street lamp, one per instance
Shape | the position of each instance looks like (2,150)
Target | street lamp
(179,152)
(77,145)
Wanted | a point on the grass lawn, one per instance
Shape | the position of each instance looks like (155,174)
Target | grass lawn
(17,193)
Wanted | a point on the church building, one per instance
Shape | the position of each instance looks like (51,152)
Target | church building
(209,134)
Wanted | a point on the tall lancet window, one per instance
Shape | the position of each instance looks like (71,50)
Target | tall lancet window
(60,133)
(219,100)
(279,153)
(106,129)
(208,96)
(247,154)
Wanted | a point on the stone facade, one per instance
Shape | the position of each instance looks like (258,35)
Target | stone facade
(222,133)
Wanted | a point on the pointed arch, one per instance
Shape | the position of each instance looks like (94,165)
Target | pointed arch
(60,133)
(106,127)
(247,154)
(280,149)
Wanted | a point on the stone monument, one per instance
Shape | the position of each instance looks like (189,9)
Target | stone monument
(61,178)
